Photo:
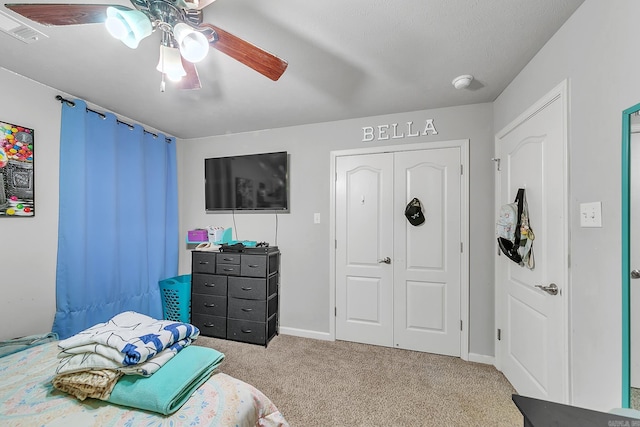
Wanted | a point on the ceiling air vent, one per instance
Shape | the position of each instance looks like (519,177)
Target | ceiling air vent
(17,29)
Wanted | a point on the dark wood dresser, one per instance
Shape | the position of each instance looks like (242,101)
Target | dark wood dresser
(235,295)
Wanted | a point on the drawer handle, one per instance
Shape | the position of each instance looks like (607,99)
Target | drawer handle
(209,325)
(247,309)
(227,259)
(228,269)
(254,265)
(209,305)
(210,285)
(246,331)
(247,289)
(204,262)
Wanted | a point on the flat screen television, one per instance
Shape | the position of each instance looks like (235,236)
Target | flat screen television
(254,182)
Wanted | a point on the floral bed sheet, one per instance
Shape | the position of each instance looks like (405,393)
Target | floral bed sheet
(27,398)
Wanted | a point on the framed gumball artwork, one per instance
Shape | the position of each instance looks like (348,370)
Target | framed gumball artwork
(17,196)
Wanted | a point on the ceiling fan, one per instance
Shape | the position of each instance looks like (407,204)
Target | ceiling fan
(185,38)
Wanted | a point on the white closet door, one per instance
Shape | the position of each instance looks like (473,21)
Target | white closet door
(427,257)
(364,217)
(398,284)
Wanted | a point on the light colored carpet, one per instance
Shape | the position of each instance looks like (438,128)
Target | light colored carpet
(334,384)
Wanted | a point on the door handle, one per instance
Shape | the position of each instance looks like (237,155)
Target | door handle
(552,289)
(635,274)
(386,260)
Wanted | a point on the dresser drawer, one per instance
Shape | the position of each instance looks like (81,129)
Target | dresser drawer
(228,269)
(209,284)
(213,305)
(272,327)
(253,266)
(203,262)
(247,309)
(247,331)
(210,326)
(247,288)
(272,305)
(272,284)
(228,258)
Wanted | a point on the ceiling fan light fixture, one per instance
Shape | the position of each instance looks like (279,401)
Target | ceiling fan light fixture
(170,63)
(193,45)
(128,26)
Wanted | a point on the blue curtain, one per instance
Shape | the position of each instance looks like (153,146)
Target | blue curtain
(118,219)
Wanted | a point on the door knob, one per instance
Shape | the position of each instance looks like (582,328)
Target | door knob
(386,260)
(635,274)
(552,289)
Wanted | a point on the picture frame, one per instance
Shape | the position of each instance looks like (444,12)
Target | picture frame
(17,192)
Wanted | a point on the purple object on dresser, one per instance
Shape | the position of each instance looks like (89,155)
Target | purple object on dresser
(198,235)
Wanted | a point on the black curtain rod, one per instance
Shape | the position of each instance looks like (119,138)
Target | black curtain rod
(72,104)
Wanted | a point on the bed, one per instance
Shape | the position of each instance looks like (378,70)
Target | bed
(27,398)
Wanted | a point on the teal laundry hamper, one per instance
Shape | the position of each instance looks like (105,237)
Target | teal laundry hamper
(176,298)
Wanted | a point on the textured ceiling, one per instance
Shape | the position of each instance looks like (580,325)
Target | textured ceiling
(347,59)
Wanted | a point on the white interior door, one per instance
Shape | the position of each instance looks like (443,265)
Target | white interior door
(427,258)
(533,350)
(364,215)
(413,300)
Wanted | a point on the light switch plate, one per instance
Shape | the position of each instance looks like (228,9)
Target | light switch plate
(591,214)
(316,218)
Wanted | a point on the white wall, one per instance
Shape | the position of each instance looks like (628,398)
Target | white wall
(29,245)
(598,51)
(304,302)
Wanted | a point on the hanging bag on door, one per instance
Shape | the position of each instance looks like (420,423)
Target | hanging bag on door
(508,228)
(514,233)
(526,236)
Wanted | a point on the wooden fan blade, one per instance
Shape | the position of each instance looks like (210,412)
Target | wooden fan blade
(63,14)
(250,55)
(191,80)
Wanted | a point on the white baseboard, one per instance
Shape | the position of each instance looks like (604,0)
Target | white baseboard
(325,336)
(303,333)
(481,358)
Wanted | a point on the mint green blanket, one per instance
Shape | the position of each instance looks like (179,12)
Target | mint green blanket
(171,386)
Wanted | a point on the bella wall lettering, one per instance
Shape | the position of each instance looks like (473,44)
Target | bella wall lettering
(396,131)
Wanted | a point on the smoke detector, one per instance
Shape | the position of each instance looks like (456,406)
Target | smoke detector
(462,82)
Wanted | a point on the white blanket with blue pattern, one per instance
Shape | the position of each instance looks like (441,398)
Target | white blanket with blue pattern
(130,342)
